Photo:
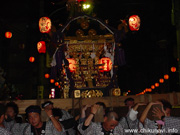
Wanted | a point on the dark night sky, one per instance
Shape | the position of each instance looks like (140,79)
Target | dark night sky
(149,52)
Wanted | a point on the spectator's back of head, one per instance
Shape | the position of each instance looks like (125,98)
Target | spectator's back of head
(101,104)
(129,102)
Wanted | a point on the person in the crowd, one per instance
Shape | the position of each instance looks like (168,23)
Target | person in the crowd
(109,126)
(155,124)
(12,111)
(37,127)
(68,124)
(170,124)
(3,130)
(48,105)
(85,113)
(65,116)
(129,102)
(130,121)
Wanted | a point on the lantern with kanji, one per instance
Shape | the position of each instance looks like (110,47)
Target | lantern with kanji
(134,23)
(106,64)
(72,64)
(8,34)
(41,47)
(44,24)
(31,59)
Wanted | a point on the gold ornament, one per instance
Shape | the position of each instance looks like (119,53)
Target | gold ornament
(116,92)
(84,25)
(79,33)
(92,32)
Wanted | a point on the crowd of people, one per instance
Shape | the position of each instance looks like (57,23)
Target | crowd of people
(94,119)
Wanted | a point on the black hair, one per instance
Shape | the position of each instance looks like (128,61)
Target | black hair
(2,109)
(166,104)
(33,108)
(14,106)
(101,104)
(57,112)
(128,99)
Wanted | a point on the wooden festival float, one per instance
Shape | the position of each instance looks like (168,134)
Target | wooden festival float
(87,54)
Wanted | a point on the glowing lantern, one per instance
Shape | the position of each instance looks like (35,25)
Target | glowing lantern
(51,80)
(166,76)
(134,23)
(47,75)
(59,86)
(72,66)
(161,80)
(107,64)
(44,24)
(157,84)
(56,83)
(53,93)
(8,34)
(41,47)
(152,87)
(173,69)
(31,59)
(149,90)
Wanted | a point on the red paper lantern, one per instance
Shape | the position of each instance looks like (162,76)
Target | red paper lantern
(72,66)
(44,25)
(107,64)
(173,69)
(8,34)
(161,80)
(134,23)
(56,83)
(41,47)
(31,59)
(166,76)
(51,80)
(152,87)
(47,75)
(157,84)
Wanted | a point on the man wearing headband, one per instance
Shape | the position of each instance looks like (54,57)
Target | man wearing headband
(37,127)
(65,118)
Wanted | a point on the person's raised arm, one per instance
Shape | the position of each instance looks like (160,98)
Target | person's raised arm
(55,122)
(133,112)
(94,109)
(145,112)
